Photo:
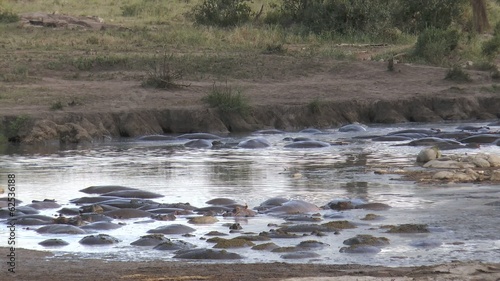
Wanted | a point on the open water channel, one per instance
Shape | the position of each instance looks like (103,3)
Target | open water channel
(462,227)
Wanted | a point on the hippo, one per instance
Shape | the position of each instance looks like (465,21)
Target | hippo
(392,138)
(150,240)
(254,143)
(307,144)
(172,229)
(354,127)
(207,254)
(99,239)
(270,203)
(293,207)
(199,136)
(473,128)
(300,255)
(134,194)
(174,245)
(155,138)
(61,229)
(269,132)
(101,225)
(221,201)
(311,131)
(418,131)
(101,189)
(46,204)
(481,138)
(127,213)
(92,200)
(53,242)
(201,143)
(126,203)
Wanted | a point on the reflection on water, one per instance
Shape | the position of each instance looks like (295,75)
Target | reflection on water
(465,227)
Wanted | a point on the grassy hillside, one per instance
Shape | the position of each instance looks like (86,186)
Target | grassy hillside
(151,28)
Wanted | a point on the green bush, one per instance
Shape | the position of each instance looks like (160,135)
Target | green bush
(222,13)
(8,16)
(491,48)
(457,74)
(337,16)
(433,44)
(132,10)
(418,15)
(226,99)
(161,74)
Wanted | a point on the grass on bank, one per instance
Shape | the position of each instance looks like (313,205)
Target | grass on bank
(227,99)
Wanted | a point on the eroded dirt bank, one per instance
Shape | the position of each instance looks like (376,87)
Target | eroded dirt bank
(332,94)
(76,127)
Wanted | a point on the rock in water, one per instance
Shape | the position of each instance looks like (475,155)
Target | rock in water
(428,154)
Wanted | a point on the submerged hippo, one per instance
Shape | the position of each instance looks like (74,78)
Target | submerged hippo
(199,136)
(201,143)
(307,144)
(156,138)
(127,213)
(101,189)
(133,194)
(269,132)
(311,131)
(172,229)
(293,207)
(254,143)
(354,127)
(481,138)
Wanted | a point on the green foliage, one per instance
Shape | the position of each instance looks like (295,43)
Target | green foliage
(132,10)
(337,16)
(418,15)
(226,99)
(161,75)
(56,106)
(434,45)
(373,17)
(314,106)
(276,49)
(222,13)
(14,127)
(99,62)
(491,47)
(457,74)
(7,16)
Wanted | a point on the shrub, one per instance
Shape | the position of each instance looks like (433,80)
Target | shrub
(457,74)
(226,99)
(433,44)
(418,15)
(222,13)
(337,16)
(314,106)
(161,75)
(56,106)
(8,16)
(491,48)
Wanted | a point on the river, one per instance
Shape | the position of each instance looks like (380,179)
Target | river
(462,227)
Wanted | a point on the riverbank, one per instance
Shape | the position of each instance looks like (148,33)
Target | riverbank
(36,265)
(333,94)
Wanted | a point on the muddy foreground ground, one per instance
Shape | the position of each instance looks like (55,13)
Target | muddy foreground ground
(41,266)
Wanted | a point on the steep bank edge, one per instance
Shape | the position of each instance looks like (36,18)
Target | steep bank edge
(72,127)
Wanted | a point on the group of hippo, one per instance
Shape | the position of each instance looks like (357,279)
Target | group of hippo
(461,137)
(116,206)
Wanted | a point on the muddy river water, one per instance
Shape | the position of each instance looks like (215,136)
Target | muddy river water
(462,226)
